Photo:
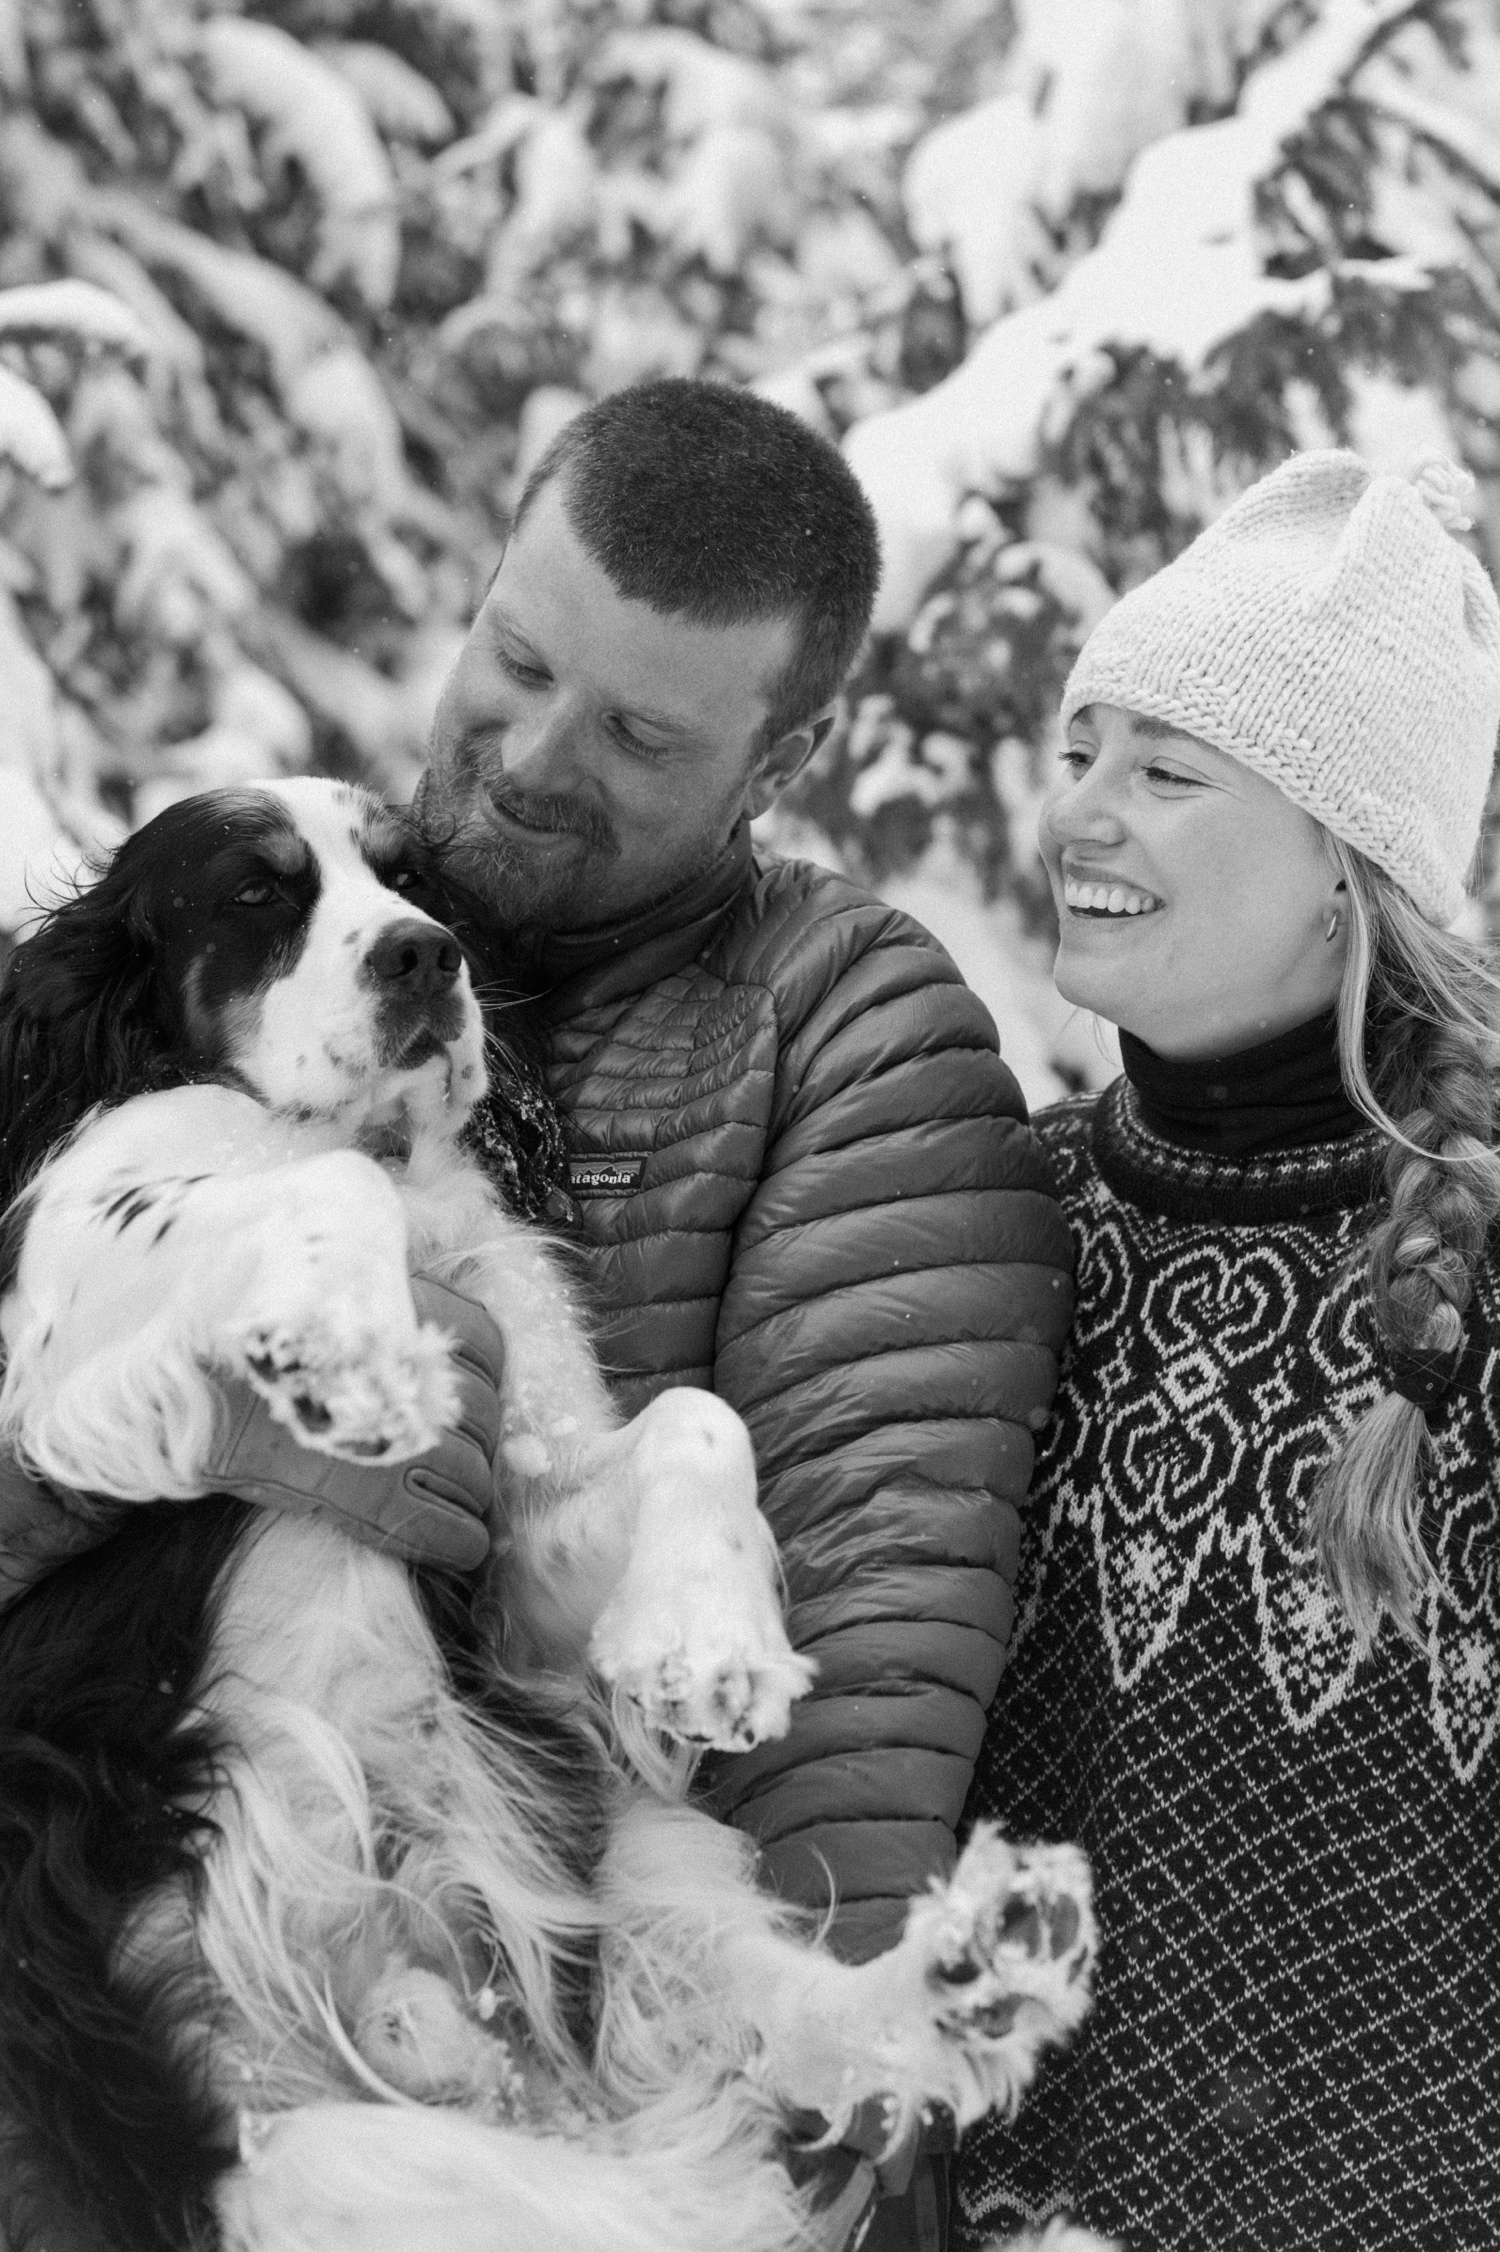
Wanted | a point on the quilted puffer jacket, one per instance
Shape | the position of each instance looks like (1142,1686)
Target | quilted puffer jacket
(802,1177)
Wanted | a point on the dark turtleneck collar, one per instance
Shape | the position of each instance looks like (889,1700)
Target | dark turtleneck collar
(1282,1094)
(1262,1136)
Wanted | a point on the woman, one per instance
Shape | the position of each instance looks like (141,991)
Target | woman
(1256,1669)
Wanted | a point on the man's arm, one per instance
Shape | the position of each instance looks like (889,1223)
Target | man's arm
(899,1292)
(434,1509)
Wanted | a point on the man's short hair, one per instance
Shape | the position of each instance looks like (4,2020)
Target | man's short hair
(712,504)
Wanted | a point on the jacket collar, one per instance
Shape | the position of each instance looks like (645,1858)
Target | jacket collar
(575,969)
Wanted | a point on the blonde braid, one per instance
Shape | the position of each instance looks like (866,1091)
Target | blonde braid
(1432,1006)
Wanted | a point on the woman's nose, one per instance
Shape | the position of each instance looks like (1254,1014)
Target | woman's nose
(1084,809)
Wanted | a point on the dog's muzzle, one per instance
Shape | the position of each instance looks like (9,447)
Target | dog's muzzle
(415,967)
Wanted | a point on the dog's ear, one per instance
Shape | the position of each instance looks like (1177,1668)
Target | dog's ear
(79,1023)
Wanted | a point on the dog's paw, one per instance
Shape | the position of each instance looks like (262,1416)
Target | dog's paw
(1061,2235)
(1010,1944)
(693,1635)
(418,2037)
(726,1693)
(347,1388)
(1015,1927)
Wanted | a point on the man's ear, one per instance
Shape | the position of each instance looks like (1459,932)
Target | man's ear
(784,761)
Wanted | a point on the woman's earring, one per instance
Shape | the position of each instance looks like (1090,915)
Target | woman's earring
(1332,931)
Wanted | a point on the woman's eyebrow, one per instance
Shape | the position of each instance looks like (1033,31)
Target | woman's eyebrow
(1155,730)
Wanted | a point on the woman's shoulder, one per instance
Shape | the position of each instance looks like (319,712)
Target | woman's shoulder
(1065,1131)
(1066,1120)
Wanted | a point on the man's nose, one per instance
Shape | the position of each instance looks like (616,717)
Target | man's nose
(540,746)
(417,960)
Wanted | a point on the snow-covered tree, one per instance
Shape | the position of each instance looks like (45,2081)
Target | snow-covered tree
(291,293)
(1188,236)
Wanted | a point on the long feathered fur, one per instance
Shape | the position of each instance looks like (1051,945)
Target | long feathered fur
(100,1769)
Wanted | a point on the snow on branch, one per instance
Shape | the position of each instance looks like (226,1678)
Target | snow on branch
(312,115)
(247,295)
(1177,271)
(1088,84)
(73,312)
(1459,138)
(402,104)
(31,437)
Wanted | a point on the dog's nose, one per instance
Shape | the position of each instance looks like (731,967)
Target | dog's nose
(421,959)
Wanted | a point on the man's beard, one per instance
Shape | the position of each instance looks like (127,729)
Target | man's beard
(519,891)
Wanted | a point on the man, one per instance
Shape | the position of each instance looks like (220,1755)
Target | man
(799,1173)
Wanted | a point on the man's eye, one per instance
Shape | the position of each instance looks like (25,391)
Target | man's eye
(529,676)
(629,741)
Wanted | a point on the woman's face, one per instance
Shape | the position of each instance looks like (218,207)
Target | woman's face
(1193,897)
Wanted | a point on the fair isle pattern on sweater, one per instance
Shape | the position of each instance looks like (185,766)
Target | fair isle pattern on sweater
(1297,2034)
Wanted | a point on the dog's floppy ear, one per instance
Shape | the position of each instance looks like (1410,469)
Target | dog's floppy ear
(77,1022)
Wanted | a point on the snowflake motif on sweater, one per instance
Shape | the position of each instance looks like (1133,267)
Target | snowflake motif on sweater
(1225,1364)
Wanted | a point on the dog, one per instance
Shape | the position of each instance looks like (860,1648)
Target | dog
(336,1918)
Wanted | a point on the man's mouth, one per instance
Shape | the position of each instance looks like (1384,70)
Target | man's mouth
(545,832)
(547,827)
(1115,902)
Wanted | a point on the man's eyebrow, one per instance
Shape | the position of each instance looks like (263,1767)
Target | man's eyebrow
(514,632)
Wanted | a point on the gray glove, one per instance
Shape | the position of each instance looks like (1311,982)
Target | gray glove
(40,1529)
(431,1510)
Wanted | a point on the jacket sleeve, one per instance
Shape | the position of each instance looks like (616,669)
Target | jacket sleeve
(40,1529)
(900,1288)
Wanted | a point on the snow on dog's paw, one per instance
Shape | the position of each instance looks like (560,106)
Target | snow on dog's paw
(1010,1944)
(1060,2235)
(1015,1925)
(345,1389)
(728,1692)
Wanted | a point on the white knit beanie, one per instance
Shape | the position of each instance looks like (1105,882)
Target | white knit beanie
(1330,632)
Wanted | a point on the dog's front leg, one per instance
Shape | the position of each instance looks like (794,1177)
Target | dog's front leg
(658,1567)
(994,1967)
(185,1232)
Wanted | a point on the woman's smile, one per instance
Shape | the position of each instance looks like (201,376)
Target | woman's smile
(1105,897)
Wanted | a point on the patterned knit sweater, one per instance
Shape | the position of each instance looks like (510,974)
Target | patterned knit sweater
(1296,2039)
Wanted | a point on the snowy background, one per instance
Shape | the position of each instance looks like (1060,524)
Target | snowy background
(291,294)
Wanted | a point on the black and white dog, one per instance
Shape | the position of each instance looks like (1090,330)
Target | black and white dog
(321,1932)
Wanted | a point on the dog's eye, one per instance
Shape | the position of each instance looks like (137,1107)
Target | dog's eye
(255,895)
(401,879)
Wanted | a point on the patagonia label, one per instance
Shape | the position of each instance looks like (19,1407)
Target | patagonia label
(605,1176)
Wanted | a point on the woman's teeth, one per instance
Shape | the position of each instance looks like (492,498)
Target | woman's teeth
(1107,899)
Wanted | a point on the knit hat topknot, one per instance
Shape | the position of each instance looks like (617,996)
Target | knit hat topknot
(1330,632)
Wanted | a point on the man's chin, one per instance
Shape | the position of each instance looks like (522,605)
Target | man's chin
(522,890)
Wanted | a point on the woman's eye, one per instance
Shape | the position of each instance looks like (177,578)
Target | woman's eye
(1165,774)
